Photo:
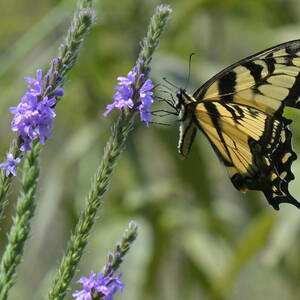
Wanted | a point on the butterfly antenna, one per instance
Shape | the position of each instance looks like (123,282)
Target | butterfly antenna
(159,123)
(157,85)
(190,67)
(163,113)
(170,102)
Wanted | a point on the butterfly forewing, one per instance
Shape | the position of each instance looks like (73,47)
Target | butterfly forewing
(268,80)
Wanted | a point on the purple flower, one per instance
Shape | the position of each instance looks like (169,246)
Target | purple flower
(108,285)
(33,116)
(129,80)
(10,166)
(123,98)
(88,285)
(105,286)
(147,100)
(36,85)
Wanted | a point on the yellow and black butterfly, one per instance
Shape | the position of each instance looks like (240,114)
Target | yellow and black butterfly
(240,110)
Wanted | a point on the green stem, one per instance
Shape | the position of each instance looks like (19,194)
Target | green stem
(21,225)
(5,181)
(151,41)
(116,258)
(78,241)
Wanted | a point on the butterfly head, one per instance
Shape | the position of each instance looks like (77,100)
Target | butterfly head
(185,107)
(182,104)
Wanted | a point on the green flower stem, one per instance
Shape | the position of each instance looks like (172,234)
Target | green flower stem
(116,258)
(101,180)
(150,43)
(68,52)
(87,217)
(5,181)
(21,225)
(81,4)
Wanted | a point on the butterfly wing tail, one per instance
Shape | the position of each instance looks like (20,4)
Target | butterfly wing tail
(275,201)
(282,159)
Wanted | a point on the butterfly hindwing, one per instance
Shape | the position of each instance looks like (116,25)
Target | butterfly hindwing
(281,159)
(255,147)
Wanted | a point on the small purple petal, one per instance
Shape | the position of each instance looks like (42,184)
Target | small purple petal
(48,89)
(109,107)
(39,75)
(82,295)
(147,100)
(141,76)
(30,80)
(47,78)
(11,164)
(146,117)
(59,92)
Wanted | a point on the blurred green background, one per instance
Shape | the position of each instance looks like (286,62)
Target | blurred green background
(199,238)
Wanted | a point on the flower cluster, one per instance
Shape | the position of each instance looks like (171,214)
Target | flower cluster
(124,97)
(34,114)
(106,287)
(10,166)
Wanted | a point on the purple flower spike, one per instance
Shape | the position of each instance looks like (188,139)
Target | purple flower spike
(123,98)
(33,116)
(105,286)
(108,285)
(11,164)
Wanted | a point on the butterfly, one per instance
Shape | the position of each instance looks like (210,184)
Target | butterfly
(240,111)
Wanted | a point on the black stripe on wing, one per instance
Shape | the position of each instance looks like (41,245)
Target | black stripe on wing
(294,93)
(255,70)
(215,118)
(226,86)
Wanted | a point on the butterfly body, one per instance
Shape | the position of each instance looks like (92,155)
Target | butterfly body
(240,112)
